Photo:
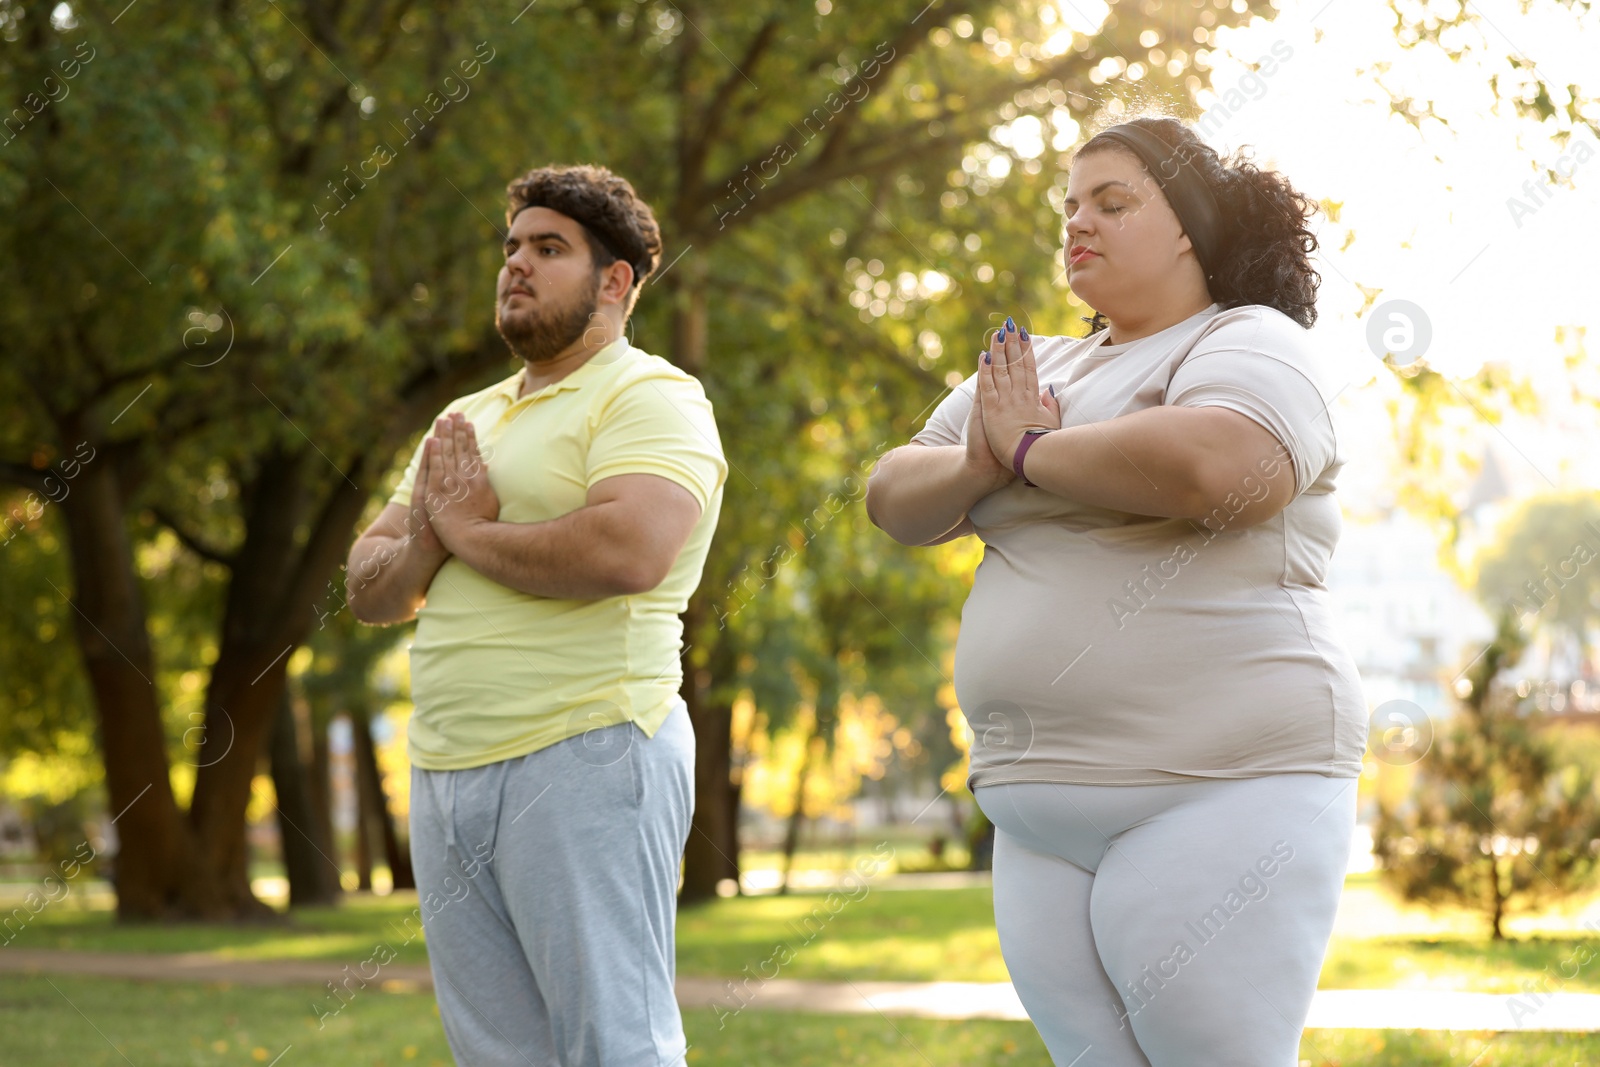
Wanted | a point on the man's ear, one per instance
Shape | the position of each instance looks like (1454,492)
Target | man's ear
(616,281)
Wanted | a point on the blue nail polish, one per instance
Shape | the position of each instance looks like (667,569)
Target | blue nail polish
(986,358)
(1011,327)
(1024,334)
(1052,390)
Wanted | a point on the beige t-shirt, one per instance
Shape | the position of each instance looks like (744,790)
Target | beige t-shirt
(1105,647)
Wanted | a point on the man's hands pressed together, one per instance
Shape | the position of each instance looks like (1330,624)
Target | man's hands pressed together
(458,496)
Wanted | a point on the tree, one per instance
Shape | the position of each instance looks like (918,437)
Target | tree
(875,224)
(287,281)
(190,374)
(339,679)
(1540,565)
(1498,822)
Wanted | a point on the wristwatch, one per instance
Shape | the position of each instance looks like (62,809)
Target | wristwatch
(1028,438)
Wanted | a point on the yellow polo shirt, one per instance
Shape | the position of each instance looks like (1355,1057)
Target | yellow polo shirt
(496,673)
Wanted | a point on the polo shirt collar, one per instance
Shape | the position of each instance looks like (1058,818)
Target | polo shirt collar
(605,357)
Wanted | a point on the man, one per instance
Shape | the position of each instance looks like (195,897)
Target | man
(546,536)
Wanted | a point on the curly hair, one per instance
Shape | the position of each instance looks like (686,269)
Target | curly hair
(616,223)
(1266,243)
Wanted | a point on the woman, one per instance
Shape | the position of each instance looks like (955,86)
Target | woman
(1167,727)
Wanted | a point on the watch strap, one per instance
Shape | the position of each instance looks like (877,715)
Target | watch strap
(1028,438)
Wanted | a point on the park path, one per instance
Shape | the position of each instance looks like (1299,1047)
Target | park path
(1361,1009)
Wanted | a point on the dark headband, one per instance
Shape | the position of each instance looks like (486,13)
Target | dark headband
(1185,188)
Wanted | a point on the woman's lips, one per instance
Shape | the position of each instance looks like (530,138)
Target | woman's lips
(1082,254)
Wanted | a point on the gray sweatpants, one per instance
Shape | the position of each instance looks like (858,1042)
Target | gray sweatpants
(548,888)
(1172,924)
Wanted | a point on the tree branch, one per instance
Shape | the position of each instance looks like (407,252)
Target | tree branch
(191,541)
(21,474)
(693,159)
(881,150)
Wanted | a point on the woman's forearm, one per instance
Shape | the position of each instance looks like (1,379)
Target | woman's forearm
(919,493)
(1148,462)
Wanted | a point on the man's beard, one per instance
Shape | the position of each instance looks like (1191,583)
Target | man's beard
(540,334)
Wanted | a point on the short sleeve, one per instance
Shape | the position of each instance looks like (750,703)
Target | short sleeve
(948,422)
(660,425)
(1269,390)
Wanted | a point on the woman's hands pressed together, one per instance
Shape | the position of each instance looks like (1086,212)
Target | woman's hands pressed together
(1009,394)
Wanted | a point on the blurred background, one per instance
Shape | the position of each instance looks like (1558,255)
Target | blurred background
(212,378)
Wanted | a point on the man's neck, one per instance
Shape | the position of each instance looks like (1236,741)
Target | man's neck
(536,376)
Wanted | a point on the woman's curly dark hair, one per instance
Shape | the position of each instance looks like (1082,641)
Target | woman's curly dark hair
(1265,255)
(616,223)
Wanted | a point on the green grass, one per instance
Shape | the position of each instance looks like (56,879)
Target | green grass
(910,854)
(910,935)
(906,935)
(97,1022)
(1478,965)
(347,932)
(1445,1048)
(899,935)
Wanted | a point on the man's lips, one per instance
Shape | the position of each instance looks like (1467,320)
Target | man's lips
(518,292)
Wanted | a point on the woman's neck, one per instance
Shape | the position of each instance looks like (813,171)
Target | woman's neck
(1130,328)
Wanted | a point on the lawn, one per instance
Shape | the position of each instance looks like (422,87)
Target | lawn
(96,1022)
(910,935)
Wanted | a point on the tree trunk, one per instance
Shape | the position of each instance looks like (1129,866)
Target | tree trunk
(370,780)
(321,788)
(707,859)
(275,582)
(364,816)
(239,717)
(819,736)
(1498,901)
(797,817)
(712,851)
(360,757)
(155,868)
(313,878)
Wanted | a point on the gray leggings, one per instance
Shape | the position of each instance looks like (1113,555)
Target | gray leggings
(1173,924)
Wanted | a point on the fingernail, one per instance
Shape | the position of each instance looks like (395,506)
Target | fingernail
(1024,334)
(1011,327)
(986,358)
(1052,390)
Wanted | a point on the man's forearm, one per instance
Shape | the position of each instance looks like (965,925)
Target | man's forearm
(578,556)
(918,493)
(387,578)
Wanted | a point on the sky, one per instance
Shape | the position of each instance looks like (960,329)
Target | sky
(1457,216)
